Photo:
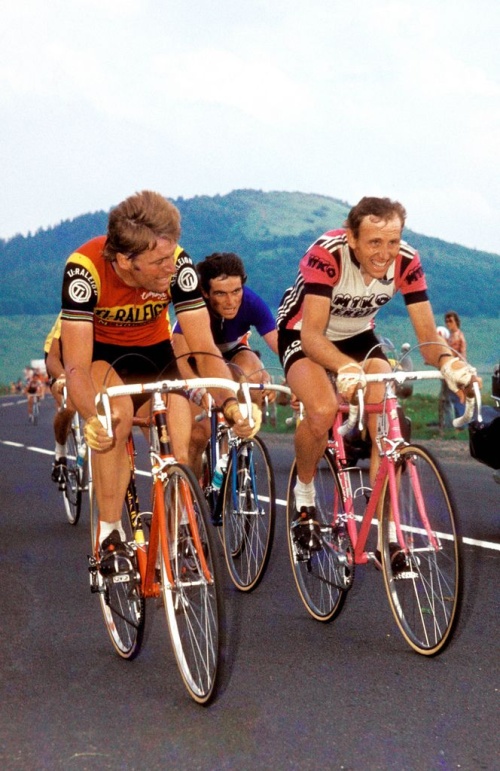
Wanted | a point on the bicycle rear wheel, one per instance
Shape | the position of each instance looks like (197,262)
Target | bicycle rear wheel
(249,512)
(322,577)
(425,594)
(122,605)
(193,602)
(73,479)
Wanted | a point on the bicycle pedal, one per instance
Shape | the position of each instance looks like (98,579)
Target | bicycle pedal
(93,567)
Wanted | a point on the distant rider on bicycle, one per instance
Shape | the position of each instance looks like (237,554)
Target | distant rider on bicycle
(33,388)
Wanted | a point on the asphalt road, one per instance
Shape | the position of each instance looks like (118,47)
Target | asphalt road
(298,695)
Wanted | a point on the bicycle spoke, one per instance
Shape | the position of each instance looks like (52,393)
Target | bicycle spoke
(122,606)
(425,593)
(322,577)
(193,601)
(248,514)
(72,492)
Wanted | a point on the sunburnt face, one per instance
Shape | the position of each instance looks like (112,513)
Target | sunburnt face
(151,269)
(376,246)
(225,296)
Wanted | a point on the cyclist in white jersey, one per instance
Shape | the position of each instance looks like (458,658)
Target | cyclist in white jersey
(325,325)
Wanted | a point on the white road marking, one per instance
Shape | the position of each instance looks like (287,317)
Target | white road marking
(279,501)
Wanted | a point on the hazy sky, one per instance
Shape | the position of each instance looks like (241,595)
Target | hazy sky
(345,98)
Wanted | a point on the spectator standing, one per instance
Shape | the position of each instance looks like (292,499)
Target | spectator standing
(450,404)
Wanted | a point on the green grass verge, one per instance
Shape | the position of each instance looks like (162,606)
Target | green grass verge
(422,409)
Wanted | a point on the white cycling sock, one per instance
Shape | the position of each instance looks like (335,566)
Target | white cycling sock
(106,528)
(60,451)
(305,494)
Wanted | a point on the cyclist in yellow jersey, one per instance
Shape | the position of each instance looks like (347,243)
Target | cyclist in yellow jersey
(57,380)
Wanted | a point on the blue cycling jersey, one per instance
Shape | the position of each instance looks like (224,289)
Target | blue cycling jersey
(229,333)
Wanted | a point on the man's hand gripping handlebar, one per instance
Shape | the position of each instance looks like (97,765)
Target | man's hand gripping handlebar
(472,397)
(243,426)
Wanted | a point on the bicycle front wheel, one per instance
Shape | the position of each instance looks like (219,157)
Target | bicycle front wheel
(249,512)
(193,601)
(322,577)
(123,607)
(425,591)
(73,479)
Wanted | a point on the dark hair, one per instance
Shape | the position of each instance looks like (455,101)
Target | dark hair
(137,223)
(453,315)
(379,208)
(220,265)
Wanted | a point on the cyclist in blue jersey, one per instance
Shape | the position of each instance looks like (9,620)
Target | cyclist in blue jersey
(233,309)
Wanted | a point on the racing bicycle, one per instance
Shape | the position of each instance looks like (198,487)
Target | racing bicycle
(420,552)
(238,482)
(35,409)
(174,556)
(73,476)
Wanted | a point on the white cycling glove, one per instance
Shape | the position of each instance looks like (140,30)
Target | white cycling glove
(350,377)
(457,373)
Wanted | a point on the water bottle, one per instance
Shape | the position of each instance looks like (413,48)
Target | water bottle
(80,458)
(218,476)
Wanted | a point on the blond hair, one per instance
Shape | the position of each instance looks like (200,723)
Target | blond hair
(137,223)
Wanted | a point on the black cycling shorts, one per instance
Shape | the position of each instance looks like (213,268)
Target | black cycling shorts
(139,364)
(228,355)
(359,347)
(136,362)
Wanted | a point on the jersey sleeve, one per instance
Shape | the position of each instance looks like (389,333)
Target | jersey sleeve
(54,334)
(320,271)
(410,276)
(259,314)
(80,290)
(185,285)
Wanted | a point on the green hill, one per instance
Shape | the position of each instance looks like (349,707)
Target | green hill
(270,231)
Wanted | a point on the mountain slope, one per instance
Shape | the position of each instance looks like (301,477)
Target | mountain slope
(270,231)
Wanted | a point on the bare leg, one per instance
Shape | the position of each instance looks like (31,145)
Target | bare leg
(179,426)
(111,469)
(200,434)
(246,364)
(375,394)
(62,424)
(252,368)
(310,383)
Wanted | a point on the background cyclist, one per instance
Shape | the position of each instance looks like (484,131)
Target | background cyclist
(234,308)
(57,381)
(34,387)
